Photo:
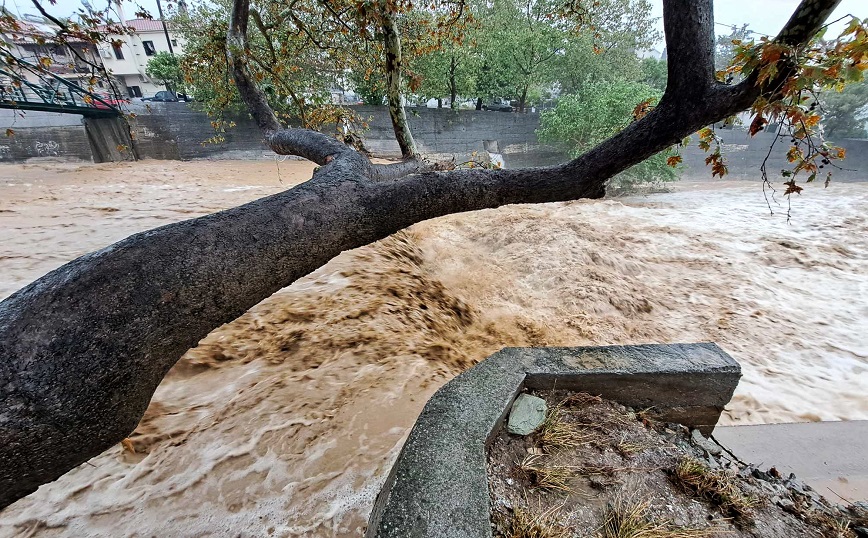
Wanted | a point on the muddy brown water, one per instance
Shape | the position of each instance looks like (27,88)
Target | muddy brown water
(285,422)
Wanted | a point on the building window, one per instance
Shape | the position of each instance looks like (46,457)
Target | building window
(119,54)
(174,42)
(135,91)
(149,48)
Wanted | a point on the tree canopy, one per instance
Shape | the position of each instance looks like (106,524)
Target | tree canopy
(166,68)
(846,111)
(603,108)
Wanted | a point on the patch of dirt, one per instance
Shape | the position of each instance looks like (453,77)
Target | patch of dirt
(598,469)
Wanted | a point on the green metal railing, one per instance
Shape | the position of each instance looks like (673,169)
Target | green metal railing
(47,92)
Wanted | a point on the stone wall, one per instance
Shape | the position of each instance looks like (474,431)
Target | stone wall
(744,155)
(176,131)
(438,486)
(42,135)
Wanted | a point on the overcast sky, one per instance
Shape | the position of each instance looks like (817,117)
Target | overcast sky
(766,16)
(763,16)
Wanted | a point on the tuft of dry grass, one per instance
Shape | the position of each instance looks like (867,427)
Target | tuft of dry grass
(581,399)
(525,524)
(717,486)
(556,433)
(830,525)
(585,409)
(629,448)
(627,518)
(542,476)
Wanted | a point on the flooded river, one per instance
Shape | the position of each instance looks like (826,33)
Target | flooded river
(285,421)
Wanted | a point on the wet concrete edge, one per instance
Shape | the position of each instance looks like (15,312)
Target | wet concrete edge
(438,485)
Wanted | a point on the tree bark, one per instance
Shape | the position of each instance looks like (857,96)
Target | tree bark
(453,90)
(522,99)
(392,49)
(83,348)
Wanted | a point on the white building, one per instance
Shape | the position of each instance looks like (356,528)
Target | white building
(128,61)
(33,44)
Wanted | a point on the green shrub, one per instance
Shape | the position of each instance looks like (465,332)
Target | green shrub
(599,110)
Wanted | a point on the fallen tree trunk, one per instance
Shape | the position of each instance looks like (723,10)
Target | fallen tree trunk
(83,348)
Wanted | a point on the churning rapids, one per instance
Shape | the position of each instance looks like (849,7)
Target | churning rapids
(284,422)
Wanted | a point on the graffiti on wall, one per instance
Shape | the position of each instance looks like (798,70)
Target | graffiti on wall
(46,149)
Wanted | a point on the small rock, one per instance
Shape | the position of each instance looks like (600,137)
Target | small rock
(786,504)
(704,443)
(527,414)
(861,532)
(762,475)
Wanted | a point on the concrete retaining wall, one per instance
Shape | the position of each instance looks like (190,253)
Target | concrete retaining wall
(110,140)
(42,135)
(176,131)
(438,486)
(744,154)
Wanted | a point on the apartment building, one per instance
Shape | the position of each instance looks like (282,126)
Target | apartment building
(128,60)
(32,44)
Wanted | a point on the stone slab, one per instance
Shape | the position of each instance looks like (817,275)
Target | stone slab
(831,457)
(526,415)
(438,486)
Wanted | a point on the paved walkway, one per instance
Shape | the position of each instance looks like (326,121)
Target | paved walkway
(831,457)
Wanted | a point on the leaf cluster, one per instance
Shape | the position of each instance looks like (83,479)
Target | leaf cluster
(796,78)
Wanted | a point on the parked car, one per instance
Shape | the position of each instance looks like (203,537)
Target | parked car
(107,101)
(499,107)
(166,96)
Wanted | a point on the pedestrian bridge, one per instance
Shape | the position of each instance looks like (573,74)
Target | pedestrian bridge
(24,86)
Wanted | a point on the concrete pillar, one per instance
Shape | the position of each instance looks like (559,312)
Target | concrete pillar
(109,139)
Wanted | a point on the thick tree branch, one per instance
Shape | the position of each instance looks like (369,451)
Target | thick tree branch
(806,21)
(393,68)
(236,54)
(689,29)
(83,348)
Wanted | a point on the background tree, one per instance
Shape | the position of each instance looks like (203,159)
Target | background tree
(846,111)
(295,68)
(519,46)
(603,108)
(606,48)
(448,71)
(654,73)
(298,53)
(726,44)
(166,68)
(370,87)
(83,348)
